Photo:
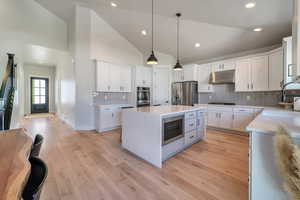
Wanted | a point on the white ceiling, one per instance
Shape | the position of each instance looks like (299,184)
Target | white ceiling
(222,27)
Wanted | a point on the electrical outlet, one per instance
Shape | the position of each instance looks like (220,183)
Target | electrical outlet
(124,97)
(210,97)
(248,98)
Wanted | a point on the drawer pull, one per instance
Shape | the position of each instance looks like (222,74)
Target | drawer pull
(191,137)
(191,124)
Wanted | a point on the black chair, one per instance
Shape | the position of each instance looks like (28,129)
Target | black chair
(37,145)
(37,177)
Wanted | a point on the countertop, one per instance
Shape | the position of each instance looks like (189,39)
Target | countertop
(115,105)
(15,146)
(269,120)
(165,109)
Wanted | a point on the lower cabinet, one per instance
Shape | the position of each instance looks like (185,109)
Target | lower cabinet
(220,119)
(108,118)
(241,120)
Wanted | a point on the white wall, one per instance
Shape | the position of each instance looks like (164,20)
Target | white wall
(95,39)
(22,23)
(33,70)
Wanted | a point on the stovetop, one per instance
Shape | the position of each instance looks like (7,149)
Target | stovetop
(222,103)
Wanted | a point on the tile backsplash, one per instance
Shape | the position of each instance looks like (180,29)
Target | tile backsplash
(226,94)
(105,98)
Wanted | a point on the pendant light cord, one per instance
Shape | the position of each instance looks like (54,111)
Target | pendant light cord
(178,15)
(152,25)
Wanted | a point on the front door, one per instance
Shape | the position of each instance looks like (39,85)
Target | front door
(39,95)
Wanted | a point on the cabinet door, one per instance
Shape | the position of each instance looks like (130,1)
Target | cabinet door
(125,79)
(147,74)
(114,78)
(204,72)
(242,75)
(117,112)
(241,120)
(201,124)
(229,65)
(225,120)
(216,67)
(259,73)
(106,118)
(276,66)
(190,72)
(178,76)
(102,70)
(213,118)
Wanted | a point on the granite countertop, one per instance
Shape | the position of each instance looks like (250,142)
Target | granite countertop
(165,109)
(271,118)
(115,105)
(230,106)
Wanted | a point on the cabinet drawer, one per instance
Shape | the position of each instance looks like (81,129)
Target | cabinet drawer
(190,137)
(190,124)
(248,110)
(190,115)
(219,108)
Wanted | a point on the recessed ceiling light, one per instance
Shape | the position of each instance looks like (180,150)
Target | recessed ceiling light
(113,4)
(197,45)
(144,32)
(250,5)
(257,29)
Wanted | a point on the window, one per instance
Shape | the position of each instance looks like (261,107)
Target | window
(38,91)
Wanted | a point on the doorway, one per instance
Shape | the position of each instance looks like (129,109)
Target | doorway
(39,95)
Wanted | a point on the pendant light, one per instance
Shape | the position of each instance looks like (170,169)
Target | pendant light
(152,60)
(178,66)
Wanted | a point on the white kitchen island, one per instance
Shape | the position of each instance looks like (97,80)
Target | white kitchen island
(156,133)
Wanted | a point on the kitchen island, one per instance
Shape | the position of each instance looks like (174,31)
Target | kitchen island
(156,133)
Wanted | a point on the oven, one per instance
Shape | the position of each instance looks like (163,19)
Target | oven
(172,129)
(143,96)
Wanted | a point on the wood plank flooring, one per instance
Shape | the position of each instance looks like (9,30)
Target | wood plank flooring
(89,166)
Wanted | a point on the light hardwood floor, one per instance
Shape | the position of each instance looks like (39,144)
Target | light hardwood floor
(89,166)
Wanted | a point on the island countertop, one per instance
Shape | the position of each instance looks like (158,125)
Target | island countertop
(165,109)
(15,146)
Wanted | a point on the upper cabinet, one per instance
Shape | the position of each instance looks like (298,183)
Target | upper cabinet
(242,75)
(276,67)
(223,65)
(190,72)
(259,73)
(112,78)
(204,72)
(143,76)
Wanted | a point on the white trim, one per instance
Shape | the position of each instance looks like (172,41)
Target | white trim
(29,90)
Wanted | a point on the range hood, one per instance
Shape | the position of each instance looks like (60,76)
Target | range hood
(222,77)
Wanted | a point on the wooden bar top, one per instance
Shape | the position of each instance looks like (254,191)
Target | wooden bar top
(15,147)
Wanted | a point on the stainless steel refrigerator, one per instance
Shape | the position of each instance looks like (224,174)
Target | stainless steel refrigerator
(185,93)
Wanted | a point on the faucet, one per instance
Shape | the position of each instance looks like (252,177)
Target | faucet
(283,86)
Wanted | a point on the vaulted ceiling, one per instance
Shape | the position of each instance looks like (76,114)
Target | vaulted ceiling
(222,27)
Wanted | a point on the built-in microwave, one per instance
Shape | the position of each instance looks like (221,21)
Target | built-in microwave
(172,129)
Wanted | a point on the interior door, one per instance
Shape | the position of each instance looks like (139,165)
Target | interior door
(39,95)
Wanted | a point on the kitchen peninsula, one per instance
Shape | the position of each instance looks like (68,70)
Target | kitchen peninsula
(156,133)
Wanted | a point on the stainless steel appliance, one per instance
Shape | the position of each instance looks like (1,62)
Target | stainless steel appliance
(185,93)
(222,77)
(143,96)
(172,129)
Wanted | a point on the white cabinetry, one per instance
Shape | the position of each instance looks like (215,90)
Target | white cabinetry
(220,117)
(190,72)
(252,74)
(204,72)
(143,76)
(178,76)
(161,85)
(108,117)
(242,117)
(112,78)
(259,73)
(276,66)
(223,65)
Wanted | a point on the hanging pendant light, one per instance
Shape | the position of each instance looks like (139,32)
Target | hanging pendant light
(178,66)
(152,60)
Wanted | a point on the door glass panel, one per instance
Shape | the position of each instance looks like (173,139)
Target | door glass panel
(36,100)
(36,91)
(43,100)
(42,83)
(43,91)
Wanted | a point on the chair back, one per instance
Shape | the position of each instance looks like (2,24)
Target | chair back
(37,177)
(37,145)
